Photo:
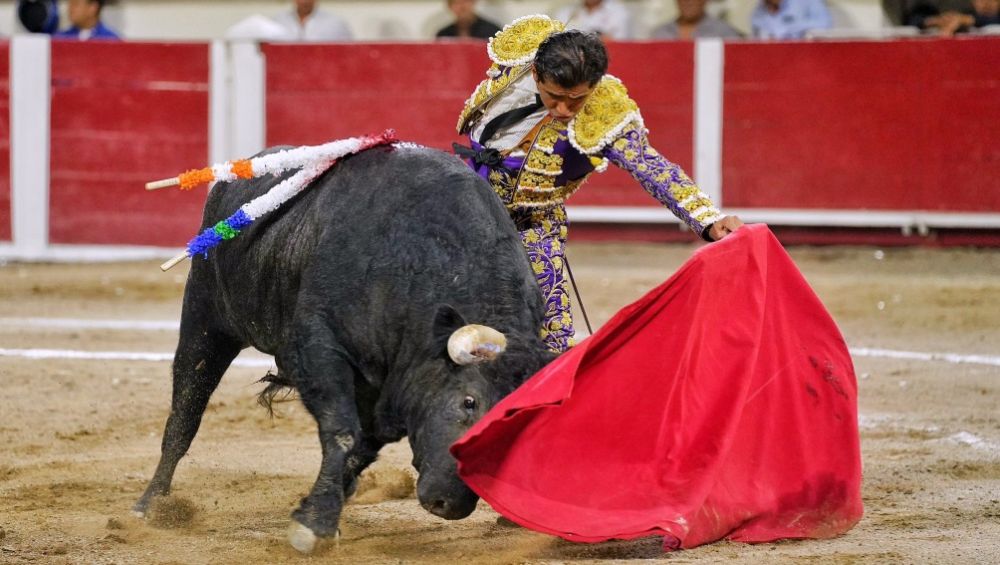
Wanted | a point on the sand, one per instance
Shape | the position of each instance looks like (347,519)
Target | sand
(79,439)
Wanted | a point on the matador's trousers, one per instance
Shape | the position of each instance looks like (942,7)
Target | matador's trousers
(543,233)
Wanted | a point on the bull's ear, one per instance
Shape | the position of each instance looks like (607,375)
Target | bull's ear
(446,321)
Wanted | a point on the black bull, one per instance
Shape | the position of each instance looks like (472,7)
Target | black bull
(355,286)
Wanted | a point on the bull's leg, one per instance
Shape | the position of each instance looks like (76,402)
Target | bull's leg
(201,359)
(363,455)
(325,381)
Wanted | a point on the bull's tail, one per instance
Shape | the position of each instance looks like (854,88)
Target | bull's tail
(279,389)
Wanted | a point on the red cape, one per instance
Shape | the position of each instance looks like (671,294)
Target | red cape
(723,404)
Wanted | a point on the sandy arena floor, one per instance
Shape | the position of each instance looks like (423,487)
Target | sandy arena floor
(80,438)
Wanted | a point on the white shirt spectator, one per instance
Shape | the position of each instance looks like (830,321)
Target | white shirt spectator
(259,28)
(610,19)
(320,25)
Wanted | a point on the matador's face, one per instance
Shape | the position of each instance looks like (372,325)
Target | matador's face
(562,103)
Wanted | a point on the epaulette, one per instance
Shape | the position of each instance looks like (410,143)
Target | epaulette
(607,111)
(511,50)
(517,42)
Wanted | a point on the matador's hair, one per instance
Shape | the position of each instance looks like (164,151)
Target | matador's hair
(571,57)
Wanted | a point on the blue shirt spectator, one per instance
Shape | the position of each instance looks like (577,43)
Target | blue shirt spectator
(85,15)
(789,19)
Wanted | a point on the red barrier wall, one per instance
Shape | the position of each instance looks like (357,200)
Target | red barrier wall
(124,114)
(909,124)
(317,93)
(869,125)
(6,228)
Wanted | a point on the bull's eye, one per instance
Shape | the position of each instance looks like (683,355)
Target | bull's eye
(469,403)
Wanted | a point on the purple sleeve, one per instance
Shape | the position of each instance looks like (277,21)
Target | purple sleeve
(662,179)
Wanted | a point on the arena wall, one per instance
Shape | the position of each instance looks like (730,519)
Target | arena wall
(832,135)
(112,132)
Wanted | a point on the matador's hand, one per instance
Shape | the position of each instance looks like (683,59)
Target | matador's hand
(724,227)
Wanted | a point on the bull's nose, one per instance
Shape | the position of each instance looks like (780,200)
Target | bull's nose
(438,507)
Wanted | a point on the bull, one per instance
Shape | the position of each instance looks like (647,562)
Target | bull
(363,288)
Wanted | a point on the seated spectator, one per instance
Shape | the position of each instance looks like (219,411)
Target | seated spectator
(467,23)
(609,18)
(259,28)
(85,15)
(789,19)
(692,22)
(306,22)
(948,22)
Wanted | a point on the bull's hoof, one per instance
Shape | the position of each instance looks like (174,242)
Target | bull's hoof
(302,538)
(305,540)
(138,513)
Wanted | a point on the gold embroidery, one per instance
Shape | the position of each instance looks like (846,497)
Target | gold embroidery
(533,196)
(534,182)
(699,203)
(548,138)
(707,215)
(536,185)
(539,162)
(607,110)
(503,185)
(517,43)
(682,192)
(559,214)
(487,91)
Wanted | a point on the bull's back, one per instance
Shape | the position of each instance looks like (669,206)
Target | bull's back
(413,229)
(387,233)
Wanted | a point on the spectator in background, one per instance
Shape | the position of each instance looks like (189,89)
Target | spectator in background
(609,18)
(948,22)
(789,19)
(306,22)
(467,23)
(692,22)
(85,17)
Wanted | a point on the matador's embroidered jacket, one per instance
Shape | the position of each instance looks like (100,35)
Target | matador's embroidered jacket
(560,157)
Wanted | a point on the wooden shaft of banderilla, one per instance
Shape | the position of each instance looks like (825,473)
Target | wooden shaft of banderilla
(165,183)
(174,261)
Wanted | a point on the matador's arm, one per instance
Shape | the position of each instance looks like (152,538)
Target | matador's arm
(664,180)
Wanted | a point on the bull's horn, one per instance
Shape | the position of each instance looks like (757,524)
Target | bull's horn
(475,344)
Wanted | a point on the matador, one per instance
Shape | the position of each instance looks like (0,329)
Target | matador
(547,117)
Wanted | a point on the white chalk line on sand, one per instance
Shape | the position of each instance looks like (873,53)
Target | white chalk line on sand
(42,354)
(174,325)
(86,324)
(922,356)
(961,438)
